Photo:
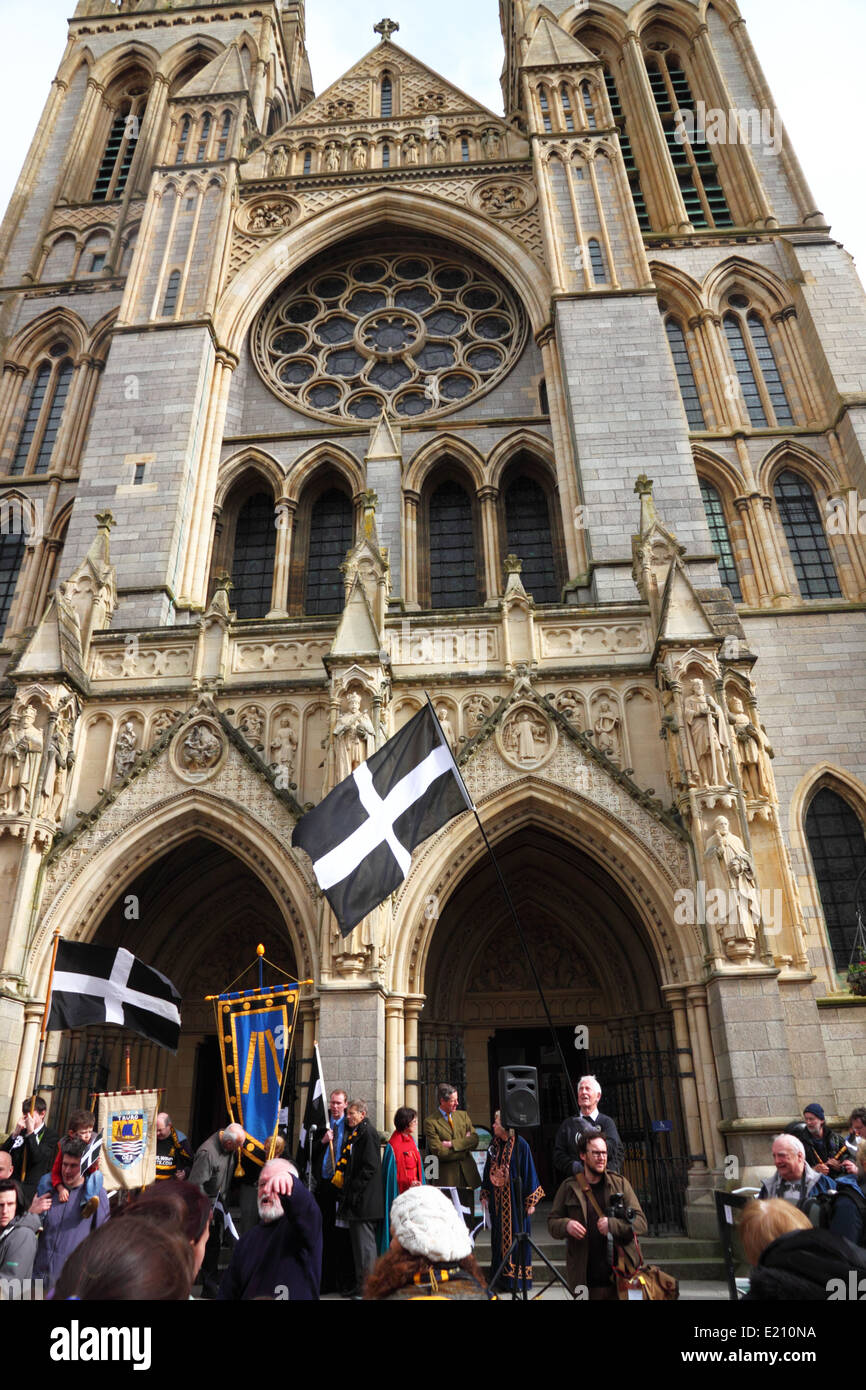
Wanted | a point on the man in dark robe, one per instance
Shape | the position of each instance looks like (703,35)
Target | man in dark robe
(509,1158)
(281,1257)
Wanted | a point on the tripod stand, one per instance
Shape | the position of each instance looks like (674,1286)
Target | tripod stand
(518,1250)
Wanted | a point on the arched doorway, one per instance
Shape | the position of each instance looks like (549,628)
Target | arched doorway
(197,914)
(600,976)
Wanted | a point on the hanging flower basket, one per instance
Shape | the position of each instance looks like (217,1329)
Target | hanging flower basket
(857,977)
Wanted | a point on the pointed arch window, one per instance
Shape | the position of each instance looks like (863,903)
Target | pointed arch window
(308,161)
(690,155)
(11,557)
(386,97)
(685,374)
(721,539)
(597,262)
(38,436)
(453,568)
(528,535)
(172,290)
(204,138)
(225,131)
(116,160)
(631,169)
(567,112)
(588,107)
(464,149)
(838,848)
(756,366)
(330,541)
(545,110)
(804,532)
(252,568)
(182,140)
(386,156)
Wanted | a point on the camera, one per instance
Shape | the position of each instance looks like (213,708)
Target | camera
(616,1207)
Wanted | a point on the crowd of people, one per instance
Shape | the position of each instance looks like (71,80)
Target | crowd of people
(368,1220)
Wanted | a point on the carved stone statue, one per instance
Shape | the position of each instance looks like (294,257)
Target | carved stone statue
(279,162)
(332,158)
(252,725)
(58,761)
(526,737)
(161,722)
(446,726)
(20,756)
(411,151)
(359,155)
(354,737)
(731,869)
(606,730)
(491,143)
(284,746)
(125,749)
(438,152)
(707,736)
(201,749)
(270,217)
(751,747)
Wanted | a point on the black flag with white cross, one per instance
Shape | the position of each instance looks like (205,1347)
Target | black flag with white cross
(106,984)
(361,837)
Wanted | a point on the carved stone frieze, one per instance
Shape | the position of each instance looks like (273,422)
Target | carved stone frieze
(525,738)
(199,751)
(134,662)
(503,197)
(277,656)
(593,639)
(267,215)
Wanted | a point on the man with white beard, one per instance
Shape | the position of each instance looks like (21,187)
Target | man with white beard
(281,1257)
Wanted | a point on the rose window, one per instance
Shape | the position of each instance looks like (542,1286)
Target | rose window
(413,334)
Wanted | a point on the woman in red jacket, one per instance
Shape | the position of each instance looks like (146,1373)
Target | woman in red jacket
(402,1141)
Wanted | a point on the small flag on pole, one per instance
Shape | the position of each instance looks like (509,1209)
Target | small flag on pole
(361,837)
(106,984)
(315,1121)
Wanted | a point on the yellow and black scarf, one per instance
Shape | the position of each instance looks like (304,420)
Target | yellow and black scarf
(344,1160)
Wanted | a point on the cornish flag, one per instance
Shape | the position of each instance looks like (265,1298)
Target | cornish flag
(361,837)
(315,1120)
(98,984)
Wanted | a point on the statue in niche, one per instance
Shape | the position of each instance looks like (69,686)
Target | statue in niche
(20,756)
(252,725)
(438,151)
(606,731)
(279,162)
(126,749)
(284,746)
(732,871)
(707,737)
(354,736)
(491,143)
(446,726)
(332,158)
(568,702)
(161,722)
(411,151)
(752,746)
(58,762)
(526,737)
(359,155)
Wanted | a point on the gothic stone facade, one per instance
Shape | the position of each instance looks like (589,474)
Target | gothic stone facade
(542,414)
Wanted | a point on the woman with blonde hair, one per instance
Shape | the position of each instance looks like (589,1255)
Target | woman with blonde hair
(790,1260)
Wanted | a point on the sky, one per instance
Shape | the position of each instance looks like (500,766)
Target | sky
(811,54)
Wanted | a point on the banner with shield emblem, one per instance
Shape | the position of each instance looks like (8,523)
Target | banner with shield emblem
(127,1122)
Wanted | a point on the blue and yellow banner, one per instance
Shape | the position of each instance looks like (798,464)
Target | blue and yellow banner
(256,1028)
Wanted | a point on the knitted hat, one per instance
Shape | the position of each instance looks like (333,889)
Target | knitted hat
(426,1223)
(814,1109)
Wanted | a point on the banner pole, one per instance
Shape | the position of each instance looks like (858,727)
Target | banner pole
(325,1103)
(513,910)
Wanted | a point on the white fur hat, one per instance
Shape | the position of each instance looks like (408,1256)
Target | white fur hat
(426,1223)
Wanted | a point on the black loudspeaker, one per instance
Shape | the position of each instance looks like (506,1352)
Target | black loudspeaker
(518,1097)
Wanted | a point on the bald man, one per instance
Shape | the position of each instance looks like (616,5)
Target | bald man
(5,1165)
(281,1258)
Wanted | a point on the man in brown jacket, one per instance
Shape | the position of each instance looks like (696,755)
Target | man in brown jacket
(580,1217)
(451,1137)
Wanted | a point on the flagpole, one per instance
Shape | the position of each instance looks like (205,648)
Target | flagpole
(41,1053)
(513,910)
(324,1100)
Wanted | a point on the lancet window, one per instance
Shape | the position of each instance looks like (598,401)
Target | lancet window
(807,542)
(690,154)
(721,539)
(51,383)
(838,848)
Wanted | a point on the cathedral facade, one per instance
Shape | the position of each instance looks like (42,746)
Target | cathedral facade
(315,406)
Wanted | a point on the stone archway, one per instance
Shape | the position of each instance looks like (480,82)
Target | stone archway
(196,912)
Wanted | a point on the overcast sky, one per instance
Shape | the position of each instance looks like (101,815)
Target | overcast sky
(812,55)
